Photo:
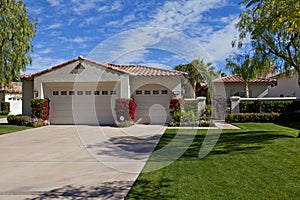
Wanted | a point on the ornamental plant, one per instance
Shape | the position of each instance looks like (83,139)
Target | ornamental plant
(40,109)
(125,109)
(175,110)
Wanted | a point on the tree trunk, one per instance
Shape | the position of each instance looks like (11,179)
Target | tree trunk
(247,89)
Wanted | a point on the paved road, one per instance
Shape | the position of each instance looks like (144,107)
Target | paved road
(88,162)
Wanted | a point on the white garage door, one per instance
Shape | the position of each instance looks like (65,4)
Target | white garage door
(83,104)
(153,103)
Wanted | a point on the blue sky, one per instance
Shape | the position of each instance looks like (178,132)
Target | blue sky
(148,32)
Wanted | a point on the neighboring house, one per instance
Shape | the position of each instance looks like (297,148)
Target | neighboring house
(13,95)
(234,85)
(285,87)
(82,91)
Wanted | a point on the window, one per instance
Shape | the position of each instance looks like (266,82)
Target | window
(88,92)
(105,92)
(147,92)
(55,93)
(63,93)
(71,92)
(79,92)
(164,92)
(113,92)
(155,92)
(138,92)
(96,92)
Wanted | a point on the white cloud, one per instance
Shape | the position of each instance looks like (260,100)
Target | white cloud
(40,63)
(45,51)
(218,43)
(54,2)
(76,39)
(53,26)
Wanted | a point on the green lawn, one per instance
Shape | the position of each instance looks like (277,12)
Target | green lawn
(3,116)
(260,161)
(11,128)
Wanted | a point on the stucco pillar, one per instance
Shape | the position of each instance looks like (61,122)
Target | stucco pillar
(201,104)
(124,87)
(235,101)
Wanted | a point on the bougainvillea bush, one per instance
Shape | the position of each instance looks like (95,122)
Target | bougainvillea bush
(125,109)
(40,109)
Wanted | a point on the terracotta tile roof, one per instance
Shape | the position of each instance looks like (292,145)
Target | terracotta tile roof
(134,70)
(238,79)
(139,70)
(14,88)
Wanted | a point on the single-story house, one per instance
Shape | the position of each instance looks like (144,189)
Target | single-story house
(83,91)
(285,87)
(234,85)
(13,95)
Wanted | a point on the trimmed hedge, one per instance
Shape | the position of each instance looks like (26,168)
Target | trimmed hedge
(5,108)
(252,117)
(18,120)
(264,106)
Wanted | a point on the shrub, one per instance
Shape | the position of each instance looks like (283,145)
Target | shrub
(175,109)
(249,107)
(18,120)
(37,123)
(264,106)
(274,106)
(206,123)
(176,116)
(40,109)
(5,108)
(252,117)
(125,109)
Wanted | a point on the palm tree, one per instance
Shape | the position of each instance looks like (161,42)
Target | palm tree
(243,66)
(199,71)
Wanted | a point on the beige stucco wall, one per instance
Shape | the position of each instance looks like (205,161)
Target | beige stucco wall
(27,95)
(229,89)
(172,83)
(91,73)
(287,87)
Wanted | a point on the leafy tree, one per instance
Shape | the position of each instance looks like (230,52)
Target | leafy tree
(16,34)
(244,67)
(198,71)
(273,28)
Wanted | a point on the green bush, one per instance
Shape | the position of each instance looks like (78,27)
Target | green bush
(252,117)
(5,108)
(249,107)
(18,120)
(264,106)
(176,116)
(274,106)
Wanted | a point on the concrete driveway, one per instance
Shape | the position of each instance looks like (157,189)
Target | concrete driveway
(74,162)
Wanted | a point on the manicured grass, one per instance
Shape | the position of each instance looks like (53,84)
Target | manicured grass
(3,116)
(11,128)
(260,161)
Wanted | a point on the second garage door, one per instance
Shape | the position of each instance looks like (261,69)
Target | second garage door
(153,102)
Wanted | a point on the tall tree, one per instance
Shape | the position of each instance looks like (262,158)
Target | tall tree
(198,71)
(273,28)
(244,67)
(16,34)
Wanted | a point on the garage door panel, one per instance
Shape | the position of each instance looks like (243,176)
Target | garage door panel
(153,108)
(82,109)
